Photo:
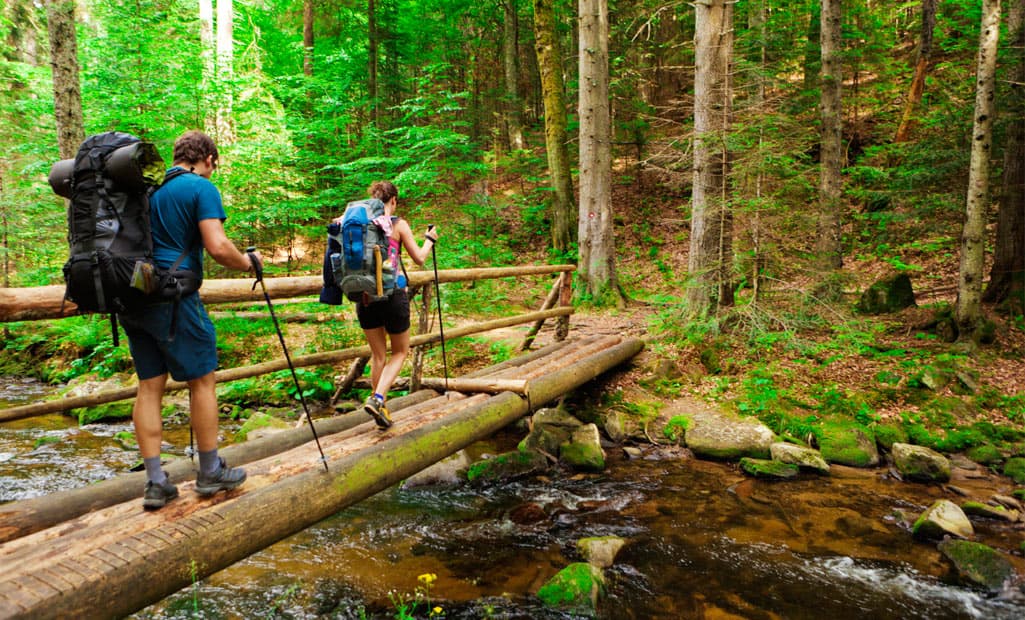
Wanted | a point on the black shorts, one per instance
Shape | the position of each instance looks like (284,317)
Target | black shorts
(392,314)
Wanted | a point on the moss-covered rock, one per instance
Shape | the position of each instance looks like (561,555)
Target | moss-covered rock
(583,450)
(847,443)
(575,589)
(1015,469)
(978,509)
(887,295)
(600,551)
(765,468)
(940,519)
(986,454)
(720,435)
(920,463)
(506,466)
(259,424)
(802,456)
(977,564)
(120,410)
(887,434)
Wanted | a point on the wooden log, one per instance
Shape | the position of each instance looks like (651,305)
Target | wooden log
(548,302)
(485,384)
(283,317)
(47,302)
(120,559)
(24,517)
(233,374)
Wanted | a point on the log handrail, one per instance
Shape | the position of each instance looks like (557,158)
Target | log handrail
(47,302)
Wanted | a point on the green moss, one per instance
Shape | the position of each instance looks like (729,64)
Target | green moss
(847,443)
(1015,469)
(888,434)
(574,588)
(986,454)
(764,468)
(108,411)
(978,564)
(676,428)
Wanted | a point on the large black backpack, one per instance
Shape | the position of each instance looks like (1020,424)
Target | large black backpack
(111,268)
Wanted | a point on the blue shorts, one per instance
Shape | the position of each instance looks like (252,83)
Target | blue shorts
(392,314)
(191,355)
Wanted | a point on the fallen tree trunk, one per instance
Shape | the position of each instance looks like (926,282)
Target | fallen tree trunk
(283,317)
(116,561)
(47,302)
(234,374)
(484,384)
(24,517)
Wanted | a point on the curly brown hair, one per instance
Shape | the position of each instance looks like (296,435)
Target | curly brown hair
(194,146)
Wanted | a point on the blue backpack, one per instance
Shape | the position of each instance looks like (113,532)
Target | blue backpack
(359,262)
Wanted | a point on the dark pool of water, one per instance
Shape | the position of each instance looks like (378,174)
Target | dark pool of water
(703,541)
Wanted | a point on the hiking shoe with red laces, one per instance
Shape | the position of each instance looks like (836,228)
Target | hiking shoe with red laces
(224,479)
(375,407)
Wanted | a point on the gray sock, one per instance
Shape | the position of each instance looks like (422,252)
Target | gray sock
(154,472)
(209,463)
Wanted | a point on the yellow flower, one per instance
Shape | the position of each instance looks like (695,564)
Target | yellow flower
(428,578)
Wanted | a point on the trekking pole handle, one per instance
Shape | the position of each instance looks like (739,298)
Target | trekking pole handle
(255,262)
(434,240)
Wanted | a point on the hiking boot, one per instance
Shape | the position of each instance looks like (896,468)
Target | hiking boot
(375,407)
(157,495)
(225,479)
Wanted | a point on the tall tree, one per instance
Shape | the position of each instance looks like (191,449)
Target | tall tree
(1007,276)
(207,46)
(968,310)
(372,60)
(226,71)
(711,230)
(510,61)
(67,91)
(308,38)
(922,64)
(597,267)
(549,61)
(828,236)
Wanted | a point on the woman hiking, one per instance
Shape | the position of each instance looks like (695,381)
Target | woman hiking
(389,318)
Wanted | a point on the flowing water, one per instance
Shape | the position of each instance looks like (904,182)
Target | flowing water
(703,541)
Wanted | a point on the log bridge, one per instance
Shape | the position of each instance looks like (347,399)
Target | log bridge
(93,552)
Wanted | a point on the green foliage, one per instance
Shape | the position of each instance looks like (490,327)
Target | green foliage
(676,428)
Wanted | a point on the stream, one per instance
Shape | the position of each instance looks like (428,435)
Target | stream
(703,539)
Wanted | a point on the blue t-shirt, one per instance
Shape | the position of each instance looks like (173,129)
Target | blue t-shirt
(176,209)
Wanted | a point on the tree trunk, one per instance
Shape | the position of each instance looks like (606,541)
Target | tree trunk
(922,66)
(308,38)
(225,71)
(549,60)
(1007,276)
(596,232)
(828,236)
(510,56)
(372,89)
(67,92)
(206,53)
(711,238)
(968,311)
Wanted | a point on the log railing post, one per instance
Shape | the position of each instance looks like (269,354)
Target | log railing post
(565,299)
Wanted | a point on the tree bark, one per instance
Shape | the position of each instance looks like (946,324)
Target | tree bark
(510,61)
(968,310)
(711,239)
(308,38)
(596,230)
(226,71)
(1007,276)
(208,46)
(372,87)
(549,60)
(67,91)
(922,66)
(829,233)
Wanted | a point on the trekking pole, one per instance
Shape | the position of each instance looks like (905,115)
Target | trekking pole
(437,295)
(258,269)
